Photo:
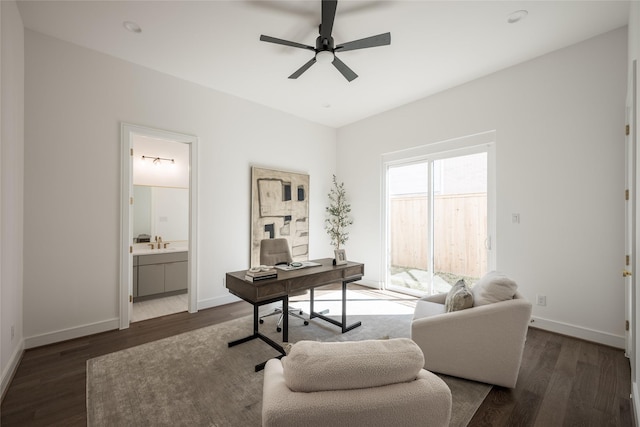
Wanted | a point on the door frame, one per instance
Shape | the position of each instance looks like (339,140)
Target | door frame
(631,220)
(128,131)
(480,142)
(630,243)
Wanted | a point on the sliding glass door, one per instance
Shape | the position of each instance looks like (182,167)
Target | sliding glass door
(437,216)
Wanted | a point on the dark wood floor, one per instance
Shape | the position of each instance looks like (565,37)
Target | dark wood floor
(563,381)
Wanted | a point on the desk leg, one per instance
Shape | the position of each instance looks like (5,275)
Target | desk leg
(285,319)
(311,303)
(256,318)
(257,334)
(343,325)
(346,328)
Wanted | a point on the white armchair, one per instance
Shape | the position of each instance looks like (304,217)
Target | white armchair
(483,343)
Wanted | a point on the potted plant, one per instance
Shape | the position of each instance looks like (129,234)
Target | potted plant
(338,220)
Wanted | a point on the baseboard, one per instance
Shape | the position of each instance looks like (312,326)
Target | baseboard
(617,341)
(370,283)
(71,333)
(214,302)
(10,370)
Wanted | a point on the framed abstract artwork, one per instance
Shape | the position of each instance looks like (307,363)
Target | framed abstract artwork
(279,209)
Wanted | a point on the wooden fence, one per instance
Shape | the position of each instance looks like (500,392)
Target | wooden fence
(460,226)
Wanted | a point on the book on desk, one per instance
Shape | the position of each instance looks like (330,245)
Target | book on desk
(262,274)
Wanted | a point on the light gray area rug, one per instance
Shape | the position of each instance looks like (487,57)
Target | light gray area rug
(195,379)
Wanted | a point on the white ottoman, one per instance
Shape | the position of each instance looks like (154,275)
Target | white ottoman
(359,383)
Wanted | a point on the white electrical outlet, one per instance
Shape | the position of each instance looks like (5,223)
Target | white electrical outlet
(542,300)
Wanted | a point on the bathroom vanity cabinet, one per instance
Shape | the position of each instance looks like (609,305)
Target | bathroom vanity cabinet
(159,275)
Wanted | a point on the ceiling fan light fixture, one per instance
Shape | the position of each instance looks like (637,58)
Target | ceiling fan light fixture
(324,57)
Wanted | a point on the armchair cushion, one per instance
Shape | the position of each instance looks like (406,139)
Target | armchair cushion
(459,297)
(493,287)
(318,366)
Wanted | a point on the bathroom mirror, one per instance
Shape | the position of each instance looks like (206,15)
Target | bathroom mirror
(160,211)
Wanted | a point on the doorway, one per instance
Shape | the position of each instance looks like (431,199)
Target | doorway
(438,218)
(158,224)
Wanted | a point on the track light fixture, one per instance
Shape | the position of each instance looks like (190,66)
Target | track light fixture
(157,160)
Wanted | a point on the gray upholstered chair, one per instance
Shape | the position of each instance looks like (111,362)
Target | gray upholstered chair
(276,252)
(482,343)
(355,384)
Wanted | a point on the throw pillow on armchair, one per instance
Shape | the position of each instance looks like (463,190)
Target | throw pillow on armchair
(459,297)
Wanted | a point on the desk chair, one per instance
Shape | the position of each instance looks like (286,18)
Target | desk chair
(275,252)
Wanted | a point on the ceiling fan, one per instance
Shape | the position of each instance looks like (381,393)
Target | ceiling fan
(325,49)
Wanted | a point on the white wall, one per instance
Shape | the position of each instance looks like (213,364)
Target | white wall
(12,189)
(560,164)
(75,101)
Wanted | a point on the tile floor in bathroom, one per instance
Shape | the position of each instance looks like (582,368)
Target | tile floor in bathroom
(144,310)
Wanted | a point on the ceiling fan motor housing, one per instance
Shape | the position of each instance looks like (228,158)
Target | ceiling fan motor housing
(324,44)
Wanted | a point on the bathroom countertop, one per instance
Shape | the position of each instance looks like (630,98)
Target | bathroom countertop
(149,251)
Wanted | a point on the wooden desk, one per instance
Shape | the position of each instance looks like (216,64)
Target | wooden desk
(278,289)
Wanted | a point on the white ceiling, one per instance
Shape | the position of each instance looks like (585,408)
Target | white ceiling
(435,45)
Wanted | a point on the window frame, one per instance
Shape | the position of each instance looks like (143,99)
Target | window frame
(465,145)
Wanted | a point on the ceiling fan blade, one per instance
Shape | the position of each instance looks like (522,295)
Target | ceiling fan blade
(328,16)
(302,69)
(373,41)
(342,67)
(285,42)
